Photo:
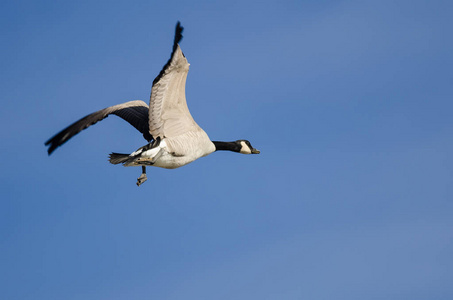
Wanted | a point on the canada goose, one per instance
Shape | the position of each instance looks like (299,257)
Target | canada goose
(174,138)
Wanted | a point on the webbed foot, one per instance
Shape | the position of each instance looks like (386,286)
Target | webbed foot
(141,179)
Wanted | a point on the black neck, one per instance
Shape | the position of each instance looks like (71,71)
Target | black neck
(229,146)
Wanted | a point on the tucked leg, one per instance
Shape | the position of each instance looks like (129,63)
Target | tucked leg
(142,177)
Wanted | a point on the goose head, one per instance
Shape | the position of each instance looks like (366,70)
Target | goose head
(239,146)
(245,147)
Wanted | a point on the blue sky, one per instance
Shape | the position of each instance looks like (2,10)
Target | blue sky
(350,103)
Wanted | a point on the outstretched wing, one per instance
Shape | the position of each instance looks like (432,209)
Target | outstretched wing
(169,115)
(134,112)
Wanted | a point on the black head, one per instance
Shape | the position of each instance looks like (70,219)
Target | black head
(246,148)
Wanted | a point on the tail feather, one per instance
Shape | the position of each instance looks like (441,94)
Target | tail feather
(118,158)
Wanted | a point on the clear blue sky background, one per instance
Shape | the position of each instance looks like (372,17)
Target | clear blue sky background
(350,103)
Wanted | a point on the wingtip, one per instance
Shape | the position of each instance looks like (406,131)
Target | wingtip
(178,34)
(178,38)
(50,150)
(51,145)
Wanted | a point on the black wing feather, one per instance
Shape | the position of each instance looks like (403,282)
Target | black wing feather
(137,116)
(178,38)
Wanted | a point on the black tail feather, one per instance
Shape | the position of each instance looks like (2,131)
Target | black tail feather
(118,158)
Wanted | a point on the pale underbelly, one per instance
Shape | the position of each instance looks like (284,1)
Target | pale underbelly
(166,160)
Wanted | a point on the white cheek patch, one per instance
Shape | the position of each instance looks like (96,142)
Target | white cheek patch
(245,149)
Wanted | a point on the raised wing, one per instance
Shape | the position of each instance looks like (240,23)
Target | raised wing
(134,112)
(169,115)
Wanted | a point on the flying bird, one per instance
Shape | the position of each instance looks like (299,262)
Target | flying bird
(174,138)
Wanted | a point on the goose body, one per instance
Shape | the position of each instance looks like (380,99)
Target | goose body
(170,153)
(174,138)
